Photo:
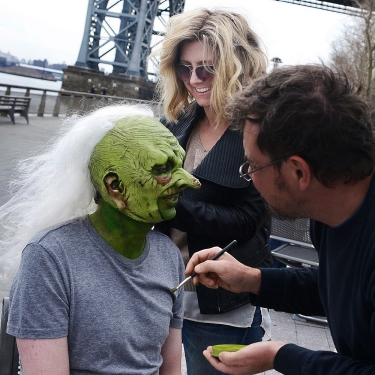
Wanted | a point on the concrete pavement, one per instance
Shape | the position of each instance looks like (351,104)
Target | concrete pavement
(19,140)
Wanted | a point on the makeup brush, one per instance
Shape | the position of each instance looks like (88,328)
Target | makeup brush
(217,255)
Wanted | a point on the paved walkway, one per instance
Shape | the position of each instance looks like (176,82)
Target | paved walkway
(17,141)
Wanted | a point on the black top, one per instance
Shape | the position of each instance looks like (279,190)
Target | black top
(225,208)
(343,289)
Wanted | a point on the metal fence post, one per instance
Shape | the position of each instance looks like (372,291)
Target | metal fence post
(42,104)
(71,102)
(83,105)
(56,109)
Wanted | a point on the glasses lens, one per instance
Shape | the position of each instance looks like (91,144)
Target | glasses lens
(183,72)
(245,168)
(204,73)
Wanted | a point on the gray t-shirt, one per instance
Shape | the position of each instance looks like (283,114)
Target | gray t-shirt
(115,311)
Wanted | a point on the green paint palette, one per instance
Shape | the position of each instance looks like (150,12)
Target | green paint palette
(217,349)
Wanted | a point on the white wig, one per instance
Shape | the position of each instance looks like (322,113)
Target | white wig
(55,186)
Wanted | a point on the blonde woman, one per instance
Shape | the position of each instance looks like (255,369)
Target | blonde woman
(208,55)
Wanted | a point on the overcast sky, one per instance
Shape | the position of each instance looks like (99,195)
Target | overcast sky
(53,29)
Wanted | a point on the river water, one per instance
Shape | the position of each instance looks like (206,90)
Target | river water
(12,79)
(66,103)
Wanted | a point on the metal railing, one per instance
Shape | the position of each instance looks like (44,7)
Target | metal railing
(56,102)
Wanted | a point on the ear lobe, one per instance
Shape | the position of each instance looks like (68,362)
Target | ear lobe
(302,172)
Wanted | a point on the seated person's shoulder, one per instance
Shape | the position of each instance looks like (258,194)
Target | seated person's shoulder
(160,238)
(57,235)
(163,244)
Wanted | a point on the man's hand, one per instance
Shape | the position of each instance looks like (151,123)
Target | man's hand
(226,272)
(253,359)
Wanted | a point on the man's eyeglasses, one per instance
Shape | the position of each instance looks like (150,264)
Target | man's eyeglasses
(246,170)
(203,72)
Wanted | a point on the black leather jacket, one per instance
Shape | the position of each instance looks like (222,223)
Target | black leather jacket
(225,208)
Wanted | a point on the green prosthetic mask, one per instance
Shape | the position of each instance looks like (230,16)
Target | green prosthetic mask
(137,168)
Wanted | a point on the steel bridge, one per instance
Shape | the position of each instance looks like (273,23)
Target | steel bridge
(122,33)
(338,6)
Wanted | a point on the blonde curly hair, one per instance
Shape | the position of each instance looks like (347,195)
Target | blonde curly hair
(238,57)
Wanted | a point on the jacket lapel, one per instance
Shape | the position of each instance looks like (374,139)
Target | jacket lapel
(216,167)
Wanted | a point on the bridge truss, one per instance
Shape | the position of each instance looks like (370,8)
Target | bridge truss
(122,33)
(337,6)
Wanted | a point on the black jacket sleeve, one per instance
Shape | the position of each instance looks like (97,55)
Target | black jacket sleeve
(290,290)
(296,291)
(240,220)
(292,359)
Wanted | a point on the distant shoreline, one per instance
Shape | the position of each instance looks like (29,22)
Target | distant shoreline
(27,72)
(16,80)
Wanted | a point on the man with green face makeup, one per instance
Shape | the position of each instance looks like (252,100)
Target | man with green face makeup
(92,294)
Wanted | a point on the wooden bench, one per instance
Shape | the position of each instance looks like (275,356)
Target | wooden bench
(9,105)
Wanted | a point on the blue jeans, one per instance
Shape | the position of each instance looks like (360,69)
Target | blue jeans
(197,336)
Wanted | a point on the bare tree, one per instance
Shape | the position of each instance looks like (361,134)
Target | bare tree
(354,50)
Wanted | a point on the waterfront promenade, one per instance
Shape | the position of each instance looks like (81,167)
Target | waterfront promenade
(19,140)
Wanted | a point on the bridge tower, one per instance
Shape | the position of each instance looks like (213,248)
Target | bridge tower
(119,33)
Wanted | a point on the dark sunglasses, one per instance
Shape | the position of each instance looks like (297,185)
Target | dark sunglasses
(203,72)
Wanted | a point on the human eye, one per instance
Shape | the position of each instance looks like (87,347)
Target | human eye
(251,167)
